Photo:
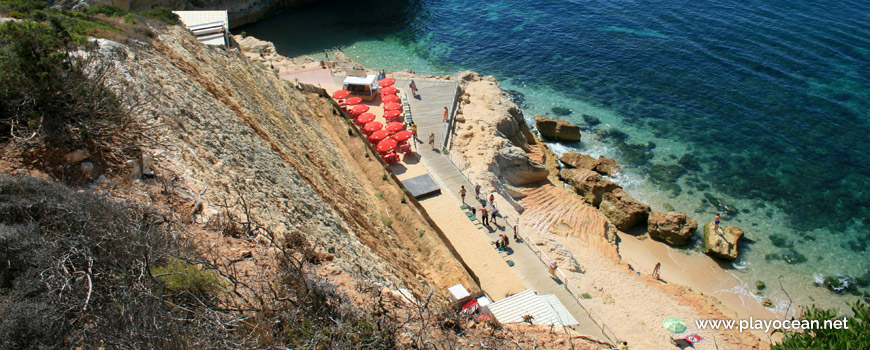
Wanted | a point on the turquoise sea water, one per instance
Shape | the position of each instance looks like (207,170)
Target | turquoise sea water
(758,109)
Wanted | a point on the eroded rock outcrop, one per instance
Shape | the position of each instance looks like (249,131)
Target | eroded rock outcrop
(721,243)
(557,130)
(672,228)
(517,169)
(265,53)
(607,166)
(588,184)
(491,136)
(622,210)
(577,160)
(239,12)
(602,165)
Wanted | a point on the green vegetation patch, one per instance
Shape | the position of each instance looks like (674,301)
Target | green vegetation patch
(180,276)
(857,336)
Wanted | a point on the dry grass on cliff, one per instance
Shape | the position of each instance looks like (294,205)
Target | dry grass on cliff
(409,240)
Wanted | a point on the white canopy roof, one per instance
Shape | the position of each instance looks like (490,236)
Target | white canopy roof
(368,80)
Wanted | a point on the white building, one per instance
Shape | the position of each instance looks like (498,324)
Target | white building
(209,27)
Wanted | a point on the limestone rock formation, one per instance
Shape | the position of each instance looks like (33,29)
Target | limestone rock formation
(239,12)
(487,123)
(577,160)
(623,211)
(607,166)
(721,244)
(588,184)
(516,167)
(557,130)
(264,52)
(672,228)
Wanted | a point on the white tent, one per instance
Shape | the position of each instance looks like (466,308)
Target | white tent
(365,87)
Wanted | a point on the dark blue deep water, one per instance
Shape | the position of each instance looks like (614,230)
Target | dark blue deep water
(759,109)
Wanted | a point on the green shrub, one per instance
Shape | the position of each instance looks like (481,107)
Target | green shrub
(130,19)
(179,276)
(857,336)
(44,91)
(106,10)
(387,221)
(161,14)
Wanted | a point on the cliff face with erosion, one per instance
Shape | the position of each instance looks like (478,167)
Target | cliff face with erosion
(491,136)
(230,130)
(239,12)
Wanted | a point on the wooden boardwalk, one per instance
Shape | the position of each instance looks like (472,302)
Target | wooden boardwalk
(428,112)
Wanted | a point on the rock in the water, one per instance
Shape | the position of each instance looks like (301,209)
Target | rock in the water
(767,302)
(588,184)
(590,120)
(672,228)
(577,160)
(622,210)
(558,130)
(77,155)
(607,166)
(722,244)
(516,167)
(561,111)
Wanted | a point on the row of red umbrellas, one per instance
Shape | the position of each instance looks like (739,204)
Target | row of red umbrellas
(392,127)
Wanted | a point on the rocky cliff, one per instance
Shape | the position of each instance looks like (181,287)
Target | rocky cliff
(239,12)
(229,132)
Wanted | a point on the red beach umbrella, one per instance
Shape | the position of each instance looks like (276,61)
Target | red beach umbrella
(372,127)
(386,145)
(470,307)
(359,109)
(365,118)
(354,100)
(392,106)
(389,90)
(392,114)
(402,136)
(387,82)
(379,135)
(395,127)
(390,98)
(340,94)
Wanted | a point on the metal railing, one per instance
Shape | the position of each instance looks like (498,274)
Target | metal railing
(527,239)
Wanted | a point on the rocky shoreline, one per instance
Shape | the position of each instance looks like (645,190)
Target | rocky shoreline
(494,145)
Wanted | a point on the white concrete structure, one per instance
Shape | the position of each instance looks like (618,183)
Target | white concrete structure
(209,27)
(526,303)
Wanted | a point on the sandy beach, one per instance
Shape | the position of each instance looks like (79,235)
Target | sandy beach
(630,302)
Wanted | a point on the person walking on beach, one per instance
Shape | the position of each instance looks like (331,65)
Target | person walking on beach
(414,131)
(477,192)
(432,140)
(491,199)
(493,213)
(516,237)
(655,272)
(413,87)
(445,114)
(462,193)
(484,217)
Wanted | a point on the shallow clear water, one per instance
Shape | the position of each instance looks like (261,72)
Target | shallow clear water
(760,109)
